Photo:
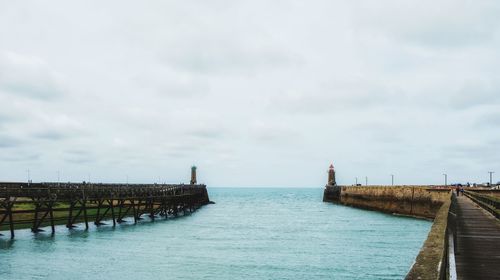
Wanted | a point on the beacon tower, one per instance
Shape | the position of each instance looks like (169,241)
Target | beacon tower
(193,175)
(331,176)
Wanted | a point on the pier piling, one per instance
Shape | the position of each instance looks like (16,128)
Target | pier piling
(37,205)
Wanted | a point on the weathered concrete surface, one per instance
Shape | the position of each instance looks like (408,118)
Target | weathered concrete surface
(331,193)
(406,200)
(431,261)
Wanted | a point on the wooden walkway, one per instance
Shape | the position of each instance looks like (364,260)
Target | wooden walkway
(477,253)
(37,205)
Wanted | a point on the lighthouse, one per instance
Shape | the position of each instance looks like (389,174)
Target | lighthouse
(193,175)
(331,176)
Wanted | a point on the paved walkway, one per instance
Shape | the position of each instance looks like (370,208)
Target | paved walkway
(477,253)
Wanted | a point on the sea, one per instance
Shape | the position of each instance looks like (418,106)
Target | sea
(249,233)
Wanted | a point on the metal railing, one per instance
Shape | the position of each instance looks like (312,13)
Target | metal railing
(487,202)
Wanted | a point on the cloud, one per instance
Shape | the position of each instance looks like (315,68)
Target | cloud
(8,141)
(221,59)
(250,89)
(168,83)
(445,24)
(22,158)
(272,133)
(28,76)
(6,119)
(476,93)
(79,156)
(206,133)
(473,153)
(50,135)
(334,96)
(488,119)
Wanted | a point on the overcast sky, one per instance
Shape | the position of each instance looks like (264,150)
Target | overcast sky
(255,93)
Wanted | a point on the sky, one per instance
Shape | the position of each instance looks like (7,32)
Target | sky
(254,93)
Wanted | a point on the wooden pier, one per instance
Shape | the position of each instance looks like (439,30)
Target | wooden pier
(477,253)
(37,205)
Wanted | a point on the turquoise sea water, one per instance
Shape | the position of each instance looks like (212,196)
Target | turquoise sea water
(249,234)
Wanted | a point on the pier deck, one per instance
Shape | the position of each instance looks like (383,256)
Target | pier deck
(478,242)
(37,205)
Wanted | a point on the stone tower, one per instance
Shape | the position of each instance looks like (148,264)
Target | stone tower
(331,176)
(193,175)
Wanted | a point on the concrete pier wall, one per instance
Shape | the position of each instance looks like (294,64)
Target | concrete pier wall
(406,200)
(432,260)
(420,201)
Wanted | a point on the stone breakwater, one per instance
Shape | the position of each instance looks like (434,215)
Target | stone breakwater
(419,201)
(405,200)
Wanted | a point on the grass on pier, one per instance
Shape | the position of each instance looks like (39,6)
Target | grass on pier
(60,217)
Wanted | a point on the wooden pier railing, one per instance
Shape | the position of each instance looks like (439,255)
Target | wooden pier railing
(36,205)
(488,202)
